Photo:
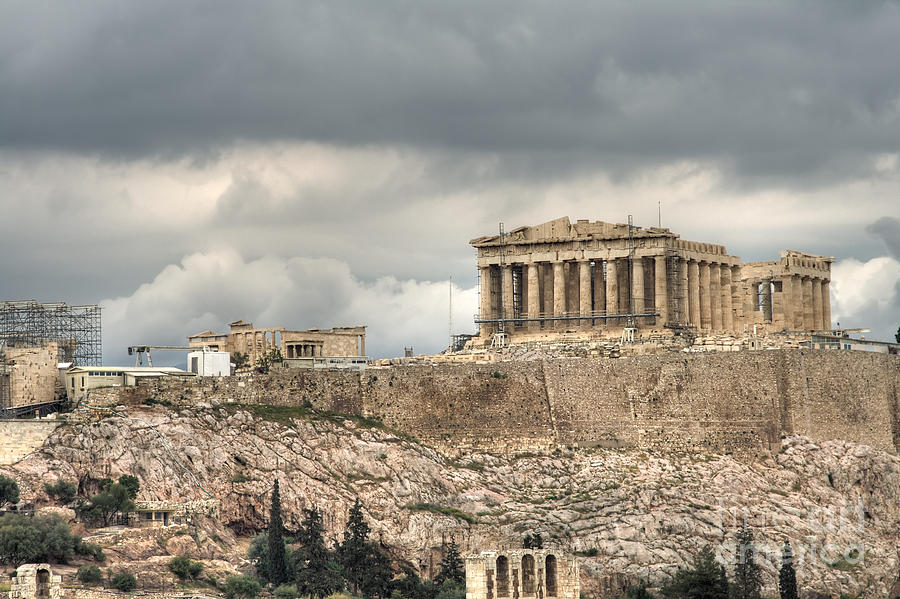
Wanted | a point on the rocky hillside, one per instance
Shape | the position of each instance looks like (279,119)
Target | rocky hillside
(633,515)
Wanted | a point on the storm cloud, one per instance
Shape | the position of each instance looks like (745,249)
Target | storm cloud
(772,89)
(373,139)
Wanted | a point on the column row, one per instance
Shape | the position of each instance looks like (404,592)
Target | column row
(587,289)
(712,296)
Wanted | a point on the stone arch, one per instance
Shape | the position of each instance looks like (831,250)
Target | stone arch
(550,573)
(502,576)
(528,574)
(42,584)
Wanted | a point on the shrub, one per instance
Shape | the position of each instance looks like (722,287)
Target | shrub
(123,581)
(89,575)
(452,589)
(241,587)
(43,538)
(185,568)
(286,591)
(63,491)
(9,490)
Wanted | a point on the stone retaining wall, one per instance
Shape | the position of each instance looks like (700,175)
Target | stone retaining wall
(18,438)
(736,401)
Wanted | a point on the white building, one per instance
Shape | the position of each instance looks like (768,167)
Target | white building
(209,363)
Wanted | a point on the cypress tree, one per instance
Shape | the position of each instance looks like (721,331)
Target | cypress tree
(452,567)
(787,577)
(318,574)
(277,561)
(747,575)
(353,553)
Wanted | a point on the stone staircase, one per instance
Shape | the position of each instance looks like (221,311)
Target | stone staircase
(18,438)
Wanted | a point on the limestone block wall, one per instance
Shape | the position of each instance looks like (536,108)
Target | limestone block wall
(734,401)
(33,375)
(18,438)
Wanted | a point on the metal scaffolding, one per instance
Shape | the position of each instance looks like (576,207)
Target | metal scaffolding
(76,328)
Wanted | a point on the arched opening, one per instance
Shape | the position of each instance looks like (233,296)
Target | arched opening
(528,574)
(43,584)
(502,576)
(550,573)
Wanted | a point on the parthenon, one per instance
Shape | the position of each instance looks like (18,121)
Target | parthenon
(600,277)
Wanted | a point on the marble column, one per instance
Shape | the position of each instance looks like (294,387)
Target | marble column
(637,285)
(797,296)
(534,294)
(485,312)
(694,293)
(727,308)
(684,315)
(599,289)
(715,293)
(705,300)
(777,301)
(559,291)
(817,303)
(506,293)
(624,286)
(612,289)
(584,291)
(660,290)
(547,279)
(808,304)
(767,300)
(737,303)
(826,304)
(787,309)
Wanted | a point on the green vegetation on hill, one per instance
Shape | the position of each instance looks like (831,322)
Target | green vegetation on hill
(42,538)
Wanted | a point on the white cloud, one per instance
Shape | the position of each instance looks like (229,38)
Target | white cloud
(867,294)
(207,290)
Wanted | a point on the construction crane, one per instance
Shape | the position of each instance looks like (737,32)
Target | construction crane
(137,350)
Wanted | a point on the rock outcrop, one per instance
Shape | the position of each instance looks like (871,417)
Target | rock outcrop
(633,515)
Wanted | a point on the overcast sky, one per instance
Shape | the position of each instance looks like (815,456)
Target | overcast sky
(305,164)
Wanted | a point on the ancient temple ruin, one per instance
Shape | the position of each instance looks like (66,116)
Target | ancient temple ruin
(600,278)
(244,338)
(522,573)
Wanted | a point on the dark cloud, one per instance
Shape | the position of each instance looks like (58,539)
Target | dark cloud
(887,228)
(774,89)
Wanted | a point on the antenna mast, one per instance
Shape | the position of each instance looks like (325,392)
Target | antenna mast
(450,316)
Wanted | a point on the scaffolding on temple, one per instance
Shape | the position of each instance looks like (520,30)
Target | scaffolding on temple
(76,329)
(676,282)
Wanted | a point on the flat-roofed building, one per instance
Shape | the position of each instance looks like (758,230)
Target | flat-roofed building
(80,379)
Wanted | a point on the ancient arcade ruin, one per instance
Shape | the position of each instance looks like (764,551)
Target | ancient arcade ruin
(35,581)
(522,573)
(601,278)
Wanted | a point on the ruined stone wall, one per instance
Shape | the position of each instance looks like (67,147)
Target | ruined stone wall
(735,401)
(33,374)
